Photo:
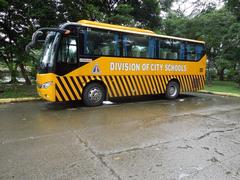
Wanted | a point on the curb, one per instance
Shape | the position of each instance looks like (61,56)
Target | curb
(220,93)
(10,100)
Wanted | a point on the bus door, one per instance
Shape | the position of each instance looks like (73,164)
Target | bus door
(67,58)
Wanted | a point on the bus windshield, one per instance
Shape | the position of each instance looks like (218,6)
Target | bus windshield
(49,51)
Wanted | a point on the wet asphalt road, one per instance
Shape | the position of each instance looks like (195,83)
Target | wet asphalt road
(194,137)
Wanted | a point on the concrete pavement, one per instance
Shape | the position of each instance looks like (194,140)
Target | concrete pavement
(194,137)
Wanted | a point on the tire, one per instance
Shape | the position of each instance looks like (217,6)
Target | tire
(94,94)
(172,90)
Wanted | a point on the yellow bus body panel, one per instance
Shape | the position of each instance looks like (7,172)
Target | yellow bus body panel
(124,77)
(48,93)
(141,66)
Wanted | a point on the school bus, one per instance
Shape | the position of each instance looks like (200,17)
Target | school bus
(92,61)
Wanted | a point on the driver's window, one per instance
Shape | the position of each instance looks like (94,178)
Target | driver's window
(68,51)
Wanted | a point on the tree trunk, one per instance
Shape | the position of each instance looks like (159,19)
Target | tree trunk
(12,69)
(13,73)
(221,74)
(24,74)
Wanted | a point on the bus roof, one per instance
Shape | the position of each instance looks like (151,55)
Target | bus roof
(130,30)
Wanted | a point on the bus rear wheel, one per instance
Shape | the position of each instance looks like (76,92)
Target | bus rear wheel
(172,90)
(94,94)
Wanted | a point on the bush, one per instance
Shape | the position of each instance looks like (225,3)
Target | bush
(1,74)
(231,74)
(211,74)
(237,78)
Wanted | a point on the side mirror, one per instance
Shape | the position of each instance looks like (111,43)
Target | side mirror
(39,33)
(35,37)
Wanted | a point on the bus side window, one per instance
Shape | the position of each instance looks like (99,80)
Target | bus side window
(164,48)
(101,42)
(68,51)
(194,51)
(199,51)
(171,49)
(176,49)
(135,45)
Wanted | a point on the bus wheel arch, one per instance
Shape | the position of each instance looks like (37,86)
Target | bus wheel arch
(94,93)
(172,89)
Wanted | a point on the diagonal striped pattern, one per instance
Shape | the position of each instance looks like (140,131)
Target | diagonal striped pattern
(69,88)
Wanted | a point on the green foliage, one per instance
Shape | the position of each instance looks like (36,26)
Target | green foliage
(3,4)
(20,18)
(215,26)
(212,26)
(231,74)
(212,74)
(234,7)
(146,13)
(122,15)
(231,41)
(176,25)
(140,13)
(237,78)
(218,28)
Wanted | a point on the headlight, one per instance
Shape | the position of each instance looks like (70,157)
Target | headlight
(46,85)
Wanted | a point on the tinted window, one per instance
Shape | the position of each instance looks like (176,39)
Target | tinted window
(135,45)
(151,47)
(194,51)
(171,49)
(68,50)
(99,42)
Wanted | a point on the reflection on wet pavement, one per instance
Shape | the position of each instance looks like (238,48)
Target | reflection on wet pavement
(196,136)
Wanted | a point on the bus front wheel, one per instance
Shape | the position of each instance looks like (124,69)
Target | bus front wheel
(172,90)
(94,94)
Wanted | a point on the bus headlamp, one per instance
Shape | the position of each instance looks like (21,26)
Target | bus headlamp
(46,85)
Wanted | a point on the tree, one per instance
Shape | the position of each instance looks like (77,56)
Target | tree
(214,26)
(177,25)
(139,13)
(210,26)
(231,50)
(234,7)
(146,13)
(122,15)
(18,20)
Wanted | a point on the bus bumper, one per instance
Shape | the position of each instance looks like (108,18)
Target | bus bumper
(46,86)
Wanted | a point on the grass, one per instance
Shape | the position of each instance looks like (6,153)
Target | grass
(17,91)
(223,86)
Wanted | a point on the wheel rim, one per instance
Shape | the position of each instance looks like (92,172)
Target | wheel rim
(172,90)
(95,95)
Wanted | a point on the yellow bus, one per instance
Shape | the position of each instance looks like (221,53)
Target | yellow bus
(92,61)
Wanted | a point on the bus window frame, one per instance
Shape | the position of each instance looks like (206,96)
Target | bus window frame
(136,35)
(58,45)
(103,30)
(77,48)
(120,36)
